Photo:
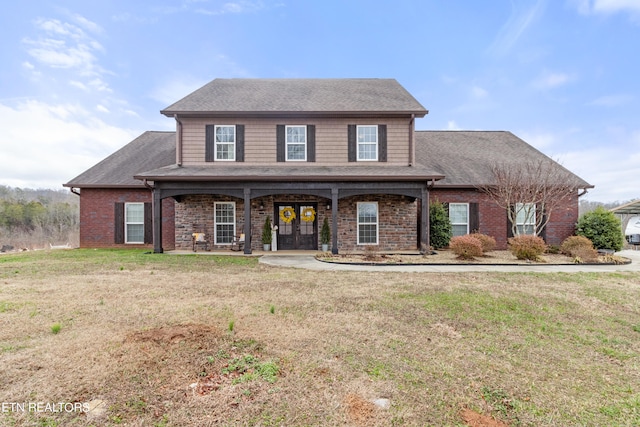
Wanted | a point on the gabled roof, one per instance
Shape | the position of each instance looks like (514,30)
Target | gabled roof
(465,158)
(150,150)
(309,96)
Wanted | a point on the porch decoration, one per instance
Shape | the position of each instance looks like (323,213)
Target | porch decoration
(287,214)
(308,214)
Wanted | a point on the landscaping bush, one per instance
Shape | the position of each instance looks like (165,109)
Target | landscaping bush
(488,243)
(527,247)
(466,247)
(580,248)
(602,227)
(439,225)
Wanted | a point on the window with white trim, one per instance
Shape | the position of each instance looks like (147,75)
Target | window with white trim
(225,143)
(134,222)
(459,218)
(526,218)
(296,143)
(225,222)
(367,138)
(367,223)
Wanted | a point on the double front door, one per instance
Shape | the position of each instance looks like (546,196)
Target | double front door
(297,226)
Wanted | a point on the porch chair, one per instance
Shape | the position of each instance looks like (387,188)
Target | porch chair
(238,243)
(199,237)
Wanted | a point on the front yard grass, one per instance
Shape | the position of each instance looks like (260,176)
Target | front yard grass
(147,340)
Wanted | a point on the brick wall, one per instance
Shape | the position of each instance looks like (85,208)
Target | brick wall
(97,217)
(493,219)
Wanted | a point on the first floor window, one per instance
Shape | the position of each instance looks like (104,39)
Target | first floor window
(367,142)
(526,218)
(225,222)
(368,223)
(226,143)
(296,143)
(134,222)
(459,218)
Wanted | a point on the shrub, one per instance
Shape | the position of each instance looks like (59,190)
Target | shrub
(580,248)
(466,247)
(602,228)
(439,225)
(488,243)
(527,247)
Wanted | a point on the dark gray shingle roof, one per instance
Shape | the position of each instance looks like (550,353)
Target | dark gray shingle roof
(299,95)
(465,157)
(150,150)
(242,172)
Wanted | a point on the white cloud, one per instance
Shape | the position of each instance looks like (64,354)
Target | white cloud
(478,92)
(523,14)
(452,125)
(611,101)
(541,141)
(550,80)
(66,46)
(587,7)
(46,145)
(102,109)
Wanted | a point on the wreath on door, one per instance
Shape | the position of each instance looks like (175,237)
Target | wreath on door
(287,214)
(308,214)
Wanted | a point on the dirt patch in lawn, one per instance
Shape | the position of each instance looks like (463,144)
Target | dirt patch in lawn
(474,419)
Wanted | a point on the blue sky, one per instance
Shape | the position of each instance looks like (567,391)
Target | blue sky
(81,79)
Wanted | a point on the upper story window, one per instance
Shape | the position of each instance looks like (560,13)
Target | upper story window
(296,142)
(225,143)
(368,143)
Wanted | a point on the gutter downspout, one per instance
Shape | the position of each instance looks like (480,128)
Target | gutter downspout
(178,141)
(412,150)
(74,191)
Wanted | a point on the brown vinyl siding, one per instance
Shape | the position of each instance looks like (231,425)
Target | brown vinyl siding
(260,139)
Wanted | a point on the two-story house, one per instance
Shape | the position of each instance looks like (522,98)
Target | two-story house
(298,150)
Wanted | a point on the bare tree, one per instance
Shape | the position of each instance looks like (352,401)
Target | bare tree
(530,191)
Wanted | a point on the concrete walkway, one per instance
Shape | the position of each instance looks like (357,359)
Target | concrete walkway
(308,261)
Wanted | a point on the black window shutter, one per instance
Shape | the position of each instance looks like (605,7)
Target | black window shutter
(210,143)
(280,143)
(474,218)
(382,143)
(311,143)
(239,143)
(352,143)
(543,232)
(118,226)
(148,223)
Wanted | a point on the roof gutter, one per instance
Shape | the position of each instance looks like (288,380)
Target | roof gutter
(74,191)
(412,150)
(178,141)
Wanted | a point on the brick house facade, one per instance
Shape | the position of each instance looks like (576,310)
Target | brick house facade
(299,151)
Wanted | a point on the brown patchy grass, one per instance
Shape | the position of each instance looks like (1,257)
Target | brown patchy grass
(160,340)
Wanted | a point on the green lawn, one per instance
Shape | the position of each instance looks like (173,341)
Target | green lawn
(197,340)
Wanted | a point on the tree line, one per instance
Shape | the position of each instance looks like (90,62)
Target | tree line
(38,218)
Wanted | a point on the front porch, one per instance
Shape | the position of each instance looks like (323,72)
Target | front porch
(393,222)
